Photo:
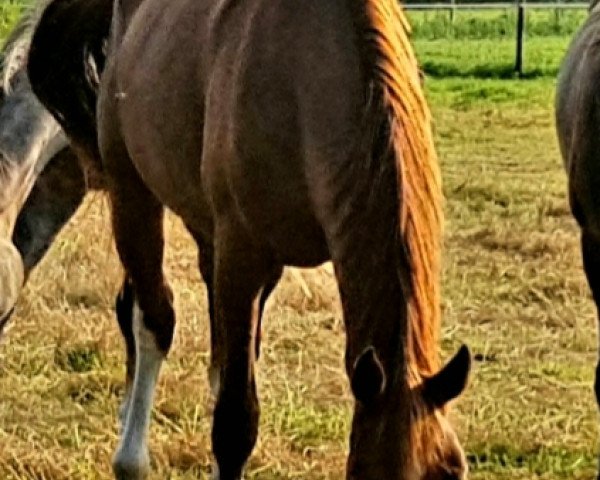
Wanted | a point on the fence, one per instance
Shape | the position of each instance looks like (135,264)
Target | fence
(521,8)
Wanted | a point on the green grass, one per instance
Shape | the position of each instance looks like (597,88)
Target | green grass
(482,44)
(489,58)
(513,281)
(9,13)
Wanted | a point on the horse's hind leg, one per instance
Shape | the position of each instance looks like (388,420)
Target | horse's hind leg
(124,307)
(590,247)
(206,265)
(138,229)
(136,218)
(241,272)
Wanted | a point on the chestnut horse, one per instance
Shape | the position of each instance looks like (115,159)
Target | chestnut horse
(282,133)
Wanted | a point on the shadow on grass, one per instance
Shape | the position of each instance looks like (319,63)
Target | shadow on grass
(499,72)
(538,461)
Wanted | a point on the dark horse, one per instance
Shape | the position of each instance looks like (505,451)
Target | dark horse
(578,127)
(283,133)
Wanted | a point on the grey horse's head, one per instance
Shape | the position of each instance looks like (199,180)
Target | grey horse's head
(593,5)
(29,137)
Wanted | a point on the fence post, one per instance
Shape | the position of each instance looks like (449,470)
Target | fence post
(452,10)
(520,31)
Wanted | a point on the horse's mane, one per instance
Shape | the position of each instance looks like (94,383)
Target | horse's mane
(410,138)
(419,179)
(13,55)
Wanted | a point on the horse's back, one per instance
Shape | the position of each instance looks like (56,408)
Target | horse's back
(284,103)
(270,86)
(578,122)
(152,94)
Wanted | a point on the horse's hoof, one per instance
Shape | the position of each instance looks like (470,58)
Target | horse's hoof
(12,277)
(215,472)
(216,476)
(128,465)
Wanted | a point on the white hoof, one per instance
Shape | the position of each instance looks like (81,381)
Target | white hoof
(215,471)
(131,465)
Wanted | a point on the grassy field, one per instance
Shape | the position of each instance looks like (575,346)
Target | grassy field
(513,290)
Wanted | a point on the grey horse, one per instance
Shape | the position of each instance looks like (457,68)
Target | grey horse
(41,181)
(578,128)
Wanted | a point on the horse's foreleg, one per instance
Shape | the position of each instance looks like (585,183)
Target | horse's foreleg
(590,247)
(241,271)
(206,265)
(149,327)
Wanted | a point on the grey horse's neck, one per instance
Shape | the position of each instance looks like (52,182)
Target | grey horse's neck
(594,6)
(29,136)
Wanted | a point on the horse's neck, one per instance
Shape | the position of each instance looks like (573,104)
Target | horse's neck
(365,259)
(374,313)
(126,9)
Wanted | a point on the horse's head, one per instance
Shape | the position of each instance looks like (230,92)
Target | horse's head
(29,137)
(402,432)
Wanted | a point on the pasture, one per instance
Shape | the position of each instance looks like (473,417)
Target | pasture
(514,291)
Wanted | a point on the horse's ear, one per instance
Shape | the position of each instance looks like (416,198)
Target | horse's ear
(368,378)
(450,381)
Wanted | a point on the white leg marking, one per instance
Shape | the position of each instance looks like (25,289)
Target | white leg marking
(214,378)
(132,461)
(215,471)
(124,408)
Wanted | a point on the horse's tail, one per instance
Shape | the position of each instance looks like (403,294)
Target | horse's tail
(396,76)
(66,59)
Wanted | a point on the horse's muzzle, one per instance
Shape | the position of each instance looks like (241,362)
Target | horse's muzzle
(12,277)
(4,321)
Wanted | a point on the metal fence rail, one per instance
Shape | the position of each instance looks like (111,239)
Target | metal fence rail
(496,6)
(519,6)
